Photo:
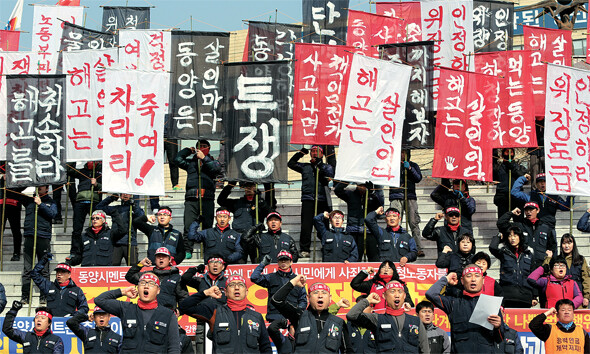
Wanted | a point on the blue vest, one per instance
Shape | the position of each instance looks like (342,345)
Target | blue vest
(229,337)
(361,343)
(170,240)
(151,337)
(308,340)
(35,344)
(390,338)
(105,341)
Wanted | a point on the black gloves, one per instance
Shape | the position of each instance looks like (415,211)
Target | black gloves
(266,260)
(16,305)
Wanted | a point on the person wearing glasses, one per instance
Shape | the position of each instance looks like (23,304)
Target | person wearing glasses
(147,326)
(337,245)
(555,283)
(172,291)
(235,326)
(161,234)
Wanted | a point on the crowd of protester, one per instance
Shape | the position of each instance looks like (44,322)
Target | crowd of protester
(534,268)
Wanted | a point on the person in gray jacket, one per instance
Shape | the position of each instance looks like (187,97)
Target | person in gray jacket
(438,339)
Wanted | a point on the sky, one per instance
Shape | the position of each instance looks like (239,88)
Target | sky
(208,15)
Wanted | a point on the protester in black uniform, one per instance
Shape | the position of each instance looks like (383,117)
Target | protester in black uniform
(221,239)
(201,170)
(235,326)
(147,326)
(456,261)
(394,330)
(447,234)
(12,210)
(63,296)
(337,245)
(386,273)
(394,243)
(538,235)
(172,291)
(101,338)
(455,195)
(506,172)
(98,241)
(274,281)
(316,329)
(162,235)
(438,339)
(271,242)
(128,205)
(311,172)
(466,337)
(354,196)
(3,300)
(510,341)
(40,337)
(362,339)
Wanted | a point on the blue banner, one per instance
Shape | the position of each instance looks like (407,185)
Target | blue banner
(528,18)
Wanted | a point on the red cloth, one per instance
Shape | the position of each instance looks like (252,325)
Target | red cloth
(488,286)
(40,334)
(471,294)
(147,305)
(249,198)
(68,3)
(63,285)
(395,228)
(235,305)
(96,230)
(454,227)
(390,311)
(222,229)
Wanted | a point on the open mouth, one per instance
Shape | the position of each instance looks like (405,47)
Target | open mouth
(237,294)
(146,292)
(396,302)
(320,303)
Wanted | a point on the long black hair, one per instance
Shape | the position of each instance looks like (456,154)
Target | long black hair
(377,278)
(521,240)
(577,258)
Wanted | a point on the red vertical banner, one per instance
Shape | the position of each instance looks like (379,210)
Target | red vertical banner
(514,120)
(366,31)
(321,81)
(9,40)
(548,46)
(466,108)
(409,12)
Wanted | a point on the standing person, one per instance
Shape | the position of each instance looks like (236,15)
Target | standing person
(172,291)
(43,228)
(221,239)
(438,339)
(274,281)
(41,335)
(337,245)
(564,331)
(355,197)
(316,330)
(161,235)
(98,241)
(394,330)
(12,210)
(539,235)
(577,266)
(410,173)
(3,300)
(199,199)
(515,266)
(362,339)
(273,241)
(466,337)
(171,150)
(506,172)
(455,194)
(128,205)
(553,281)
(394,242)
(548,203)
(147,326)
(491,286)
(311,172)
(447,234)
(101,338)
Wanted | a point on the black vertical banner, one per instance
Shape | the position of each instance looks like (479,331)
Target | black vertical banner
(196,90)
(79,38)
(256,121)
(272,41)
(35,152)
(325,21)
(419,123)
(492,25)
(115,18)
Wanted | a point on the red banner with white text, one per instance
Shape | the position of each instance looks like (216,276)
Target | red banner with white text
(409,12)
(366,31)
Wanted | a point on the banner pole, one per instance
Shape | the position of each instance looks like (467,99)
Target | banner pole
(365,226)
(509,181)
(67,204)
(2,231)
(256,211)
(92,195)
(406,194)
(315,212)
(129,235)
(200,193)
(34,253)
(571,215)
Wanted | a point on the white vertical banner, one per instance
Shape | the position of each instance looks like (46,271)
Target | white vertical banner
(373,122)
(85,99)
(147,50)
(567,130)
(133,158)
(47,32)
(18,63)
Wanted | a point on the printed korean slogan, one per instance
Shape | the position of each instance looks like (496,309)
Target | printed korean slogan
(466,109)
(366,31)
(514,120)
(256,118)
(567,130)
(79,38)
(35,153)
(115,18)
(373,121)
(419,123)
(547,46)
(47,33)
(134,131)
(197,84)
(85,97)
(492,25)
(145,50)
(324,21)
(18,63)
(409,12)
(321,81)
(269,41)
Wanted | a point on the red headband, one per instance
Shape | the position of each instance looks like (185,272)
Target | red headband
(472,270)
(216,260)
(394,285)
(44,313)
(223,212)
(391,212)
(531,204)
(150,276)
(100,213)
(165,211)
(236,277)
(319,286)
(452,209)
(64,267)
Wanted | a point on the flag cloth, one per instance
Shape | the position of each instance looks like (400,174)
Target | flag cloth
(79,38)
(492,25)
(367,31)
(68,3)
(269,41)
(370,144)
(409,12)
(9,41)
(15,17)
(145,49)
(325,21)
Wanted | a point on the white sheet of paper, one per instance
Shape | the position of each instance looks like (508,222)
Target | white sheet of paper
(486,306)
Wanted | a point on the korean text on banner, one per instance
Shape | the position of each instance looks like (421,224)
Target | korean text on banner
(367,31)
(47,33)
(269,41)
(76,38)
(325,21)
(145,49)
(85,97)
(133,131)
(466,109)
(373,121)
(492,25)
(409,12)
(567,130)
(321,79)
(514,119)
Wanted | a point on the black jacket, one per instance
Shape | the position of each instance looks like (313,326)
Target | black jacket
(393,245)
(455,261)
(501,175)
(123,212)
(97,339)
(208,171)
(46,212)
(355,202)
(361,285)
(85,184)
(97,248)
(443,235)
(414,176)
(159,236)
(244,210)
(445,197)
(172,291)
(308,176)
